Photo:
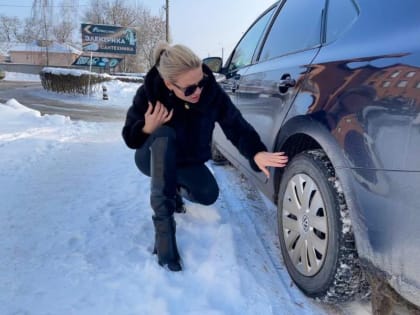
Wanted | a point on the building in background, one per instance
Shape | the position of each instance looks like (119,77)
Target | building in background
(43,53)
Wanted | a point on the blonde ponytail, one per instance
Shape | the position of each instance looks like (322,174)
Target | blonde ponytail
(172,61)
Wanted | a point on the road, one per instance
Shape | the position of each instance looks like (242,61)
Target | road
(26,94)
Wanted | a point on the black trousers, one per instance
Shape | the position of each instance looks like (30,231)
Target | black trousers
(194,182)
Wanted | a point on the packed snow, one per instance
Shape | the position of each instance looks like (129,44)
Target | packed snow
(16,76)
(76,231)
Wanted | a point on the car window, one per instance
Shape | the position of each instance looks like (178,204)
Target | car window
(297,27)
(340,15)
(246,48)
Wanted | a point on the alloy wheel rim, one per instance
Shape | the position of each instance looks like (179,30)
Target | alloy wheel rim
(305,224)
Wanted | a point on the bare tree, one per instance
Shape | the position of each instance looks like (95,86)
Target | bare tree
(63,31)
(64,28)
(9,28)
(31,30)
(119,14)
(41,25)
(95,13)
(150,29)
(113,12)
(38,26)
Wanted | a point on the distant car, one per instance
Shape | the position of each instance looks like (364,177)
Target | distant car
(336,85)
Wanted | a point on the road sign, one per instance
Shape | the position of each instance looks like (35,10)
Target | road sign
(108,39)
(96,61)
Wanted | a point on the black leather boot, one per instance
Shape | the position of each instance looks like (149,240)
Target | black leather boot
(165,243)
(162,197)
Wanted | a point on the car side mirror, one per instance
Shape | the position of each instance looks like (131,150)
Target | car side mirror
(214,63)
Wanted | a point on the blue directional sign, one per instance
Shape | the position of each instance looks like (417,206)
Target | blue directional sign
(96,61)
(109,39)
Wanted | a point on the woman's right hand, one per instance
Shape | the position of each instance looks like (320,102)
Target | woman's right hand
(156,117)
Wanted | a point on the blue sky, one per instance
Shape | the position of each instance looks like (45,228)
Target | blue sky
(206,26)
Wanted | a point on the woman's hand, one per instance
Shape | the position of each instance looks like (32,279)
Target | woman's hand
(156,117)
(265,159)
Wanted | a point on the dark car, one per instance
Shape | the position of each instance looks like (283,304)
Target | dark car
(336,85)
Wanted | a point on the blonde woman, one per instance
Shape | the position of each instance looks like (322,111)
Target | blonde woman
(170,125)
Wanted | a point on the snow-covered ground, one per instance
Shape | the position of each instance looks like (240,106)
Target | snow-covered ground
(76,231)
(120,93)
(16,76)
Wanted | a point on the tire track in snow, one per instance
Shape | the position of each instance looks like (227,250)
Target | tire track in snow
(255,232)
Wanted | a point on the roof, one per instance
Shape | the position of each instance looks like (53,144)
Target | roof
(54,47)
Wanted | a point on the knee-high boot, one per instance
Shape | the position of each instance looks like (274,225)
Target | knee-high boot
(162,198)
(165,243)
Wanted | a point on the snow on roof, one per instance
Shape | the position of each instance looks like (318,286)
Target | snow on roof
(54,47)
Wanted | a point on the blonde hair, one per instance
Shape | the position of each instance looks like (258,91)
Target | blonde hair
(172,61)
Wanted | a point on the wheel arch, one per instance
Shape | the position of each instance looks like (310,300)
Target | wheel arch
(302,133)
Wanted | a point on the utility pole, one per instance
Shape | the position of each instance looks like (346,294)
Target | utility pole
(46,28)
(167,20)
(41,15)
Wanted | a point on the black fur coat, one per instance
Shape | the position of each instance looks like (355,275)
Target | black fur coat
(193,123)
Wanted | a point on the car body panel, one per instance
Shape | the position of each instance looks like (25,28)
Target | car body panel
(358,98)
(371,104)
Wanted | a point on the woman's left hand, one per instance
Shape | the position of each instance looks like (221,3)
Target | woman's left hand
(265,159)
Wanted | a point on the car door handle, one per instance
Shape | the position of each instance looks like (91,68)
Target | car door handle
(286,82)
(235,84)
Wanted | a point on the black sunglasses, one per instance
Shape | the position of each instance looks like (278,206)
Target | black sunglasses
(190,89)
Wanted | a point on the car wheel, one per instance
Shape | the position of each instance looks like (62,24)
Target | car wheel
(315,231)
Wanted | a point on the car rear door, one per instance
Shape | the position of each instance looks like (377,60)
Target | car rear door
(267,89)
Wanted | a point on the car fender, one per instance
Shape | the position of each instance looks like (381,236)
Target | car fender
(302,133)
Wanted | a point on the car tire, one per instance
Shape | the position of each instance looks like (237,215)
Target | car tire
(315,231)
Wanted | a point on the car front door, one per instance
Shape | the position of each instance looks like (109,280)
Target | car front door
(240,60)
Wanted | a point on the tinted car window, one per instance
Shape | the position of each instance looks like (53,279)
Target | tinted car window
(340,15)
(297,27)
(246,48)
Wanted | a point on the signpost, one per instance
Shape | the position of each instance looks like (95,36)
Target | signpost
(108,39)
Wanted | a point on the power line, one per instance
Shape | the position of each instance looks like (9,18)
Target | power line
(49,6)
